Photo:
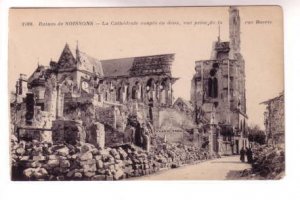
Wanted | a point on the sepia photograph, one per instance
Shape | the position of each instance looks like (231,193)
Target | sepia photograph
(156,93)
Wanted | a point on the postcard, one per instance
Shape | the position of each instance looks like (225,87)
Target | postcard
(147,93)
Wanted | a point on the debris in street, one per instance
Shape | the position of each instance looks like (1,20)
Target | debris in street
(83,161)
(268,163)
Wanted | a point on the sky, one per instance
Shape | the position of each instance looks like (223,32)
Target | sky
(261,44)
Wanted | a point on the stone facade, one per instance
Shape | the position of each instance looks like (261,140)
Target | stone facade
(274,119)
(218,90)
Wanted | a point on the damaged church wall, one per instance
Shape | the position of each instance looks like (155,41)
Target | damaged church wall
(80,89)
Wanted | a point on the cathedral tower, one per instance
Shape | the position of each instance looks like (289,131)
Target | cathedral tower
(234,32)
(218,86)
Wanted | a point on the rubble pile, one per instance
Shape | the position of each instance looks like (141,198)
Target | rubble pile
(268,163)
(34,160)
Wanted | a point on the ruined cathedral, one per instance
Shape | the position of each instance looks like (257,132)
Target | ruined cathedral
(82,99)
(218,91)
(114,102)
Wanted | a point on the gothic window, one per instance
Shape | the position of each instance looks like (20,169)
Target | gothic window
(133,95)
(163,91)
(149,85)
(213,84)
(127,92)
(149,88)
(119,92)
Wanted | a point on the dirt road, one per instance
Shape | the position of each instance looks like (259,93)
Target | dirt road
(219,169)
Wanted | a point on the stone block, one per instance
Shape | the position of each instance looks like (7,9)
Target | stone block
(86,147)
(87,162)
(111,167)
(63,151)
(99,177)
(77,175)
(35,173)
(128,170)
(70,174)
(24,158)
(20,151)
(89,174)
(46,136)
(38,158)
(101,171)
(99,164)
(35,164)
(104,152)
(107,164)
(85,156)
(64,164)
(89,168)
(98,157)
(118,174)
(109,178)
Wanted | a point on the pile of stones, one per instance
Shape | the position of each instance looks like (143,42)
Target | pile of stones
(268,163)
(33,160)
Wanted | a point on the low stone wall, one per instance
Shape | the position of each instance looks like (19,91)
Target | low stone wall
(43,161)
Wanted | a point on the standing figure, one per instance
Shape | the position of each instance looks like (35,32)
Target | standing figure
(249,155)
(242,154)
(145,138)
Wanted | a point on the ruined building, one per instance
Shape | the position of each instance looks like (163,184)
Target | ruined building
(274,119)
(218,91)
(78,98)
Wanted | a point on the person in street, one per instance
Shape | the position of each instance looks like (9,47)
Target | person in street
(145,137)
(242,154)
(249,155)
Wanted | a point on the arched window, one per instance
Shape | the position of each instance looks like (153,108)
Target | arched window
(127,92)
(119,92)
(150,84)
(213,84)
(149,88)
(133,92)
(213,87)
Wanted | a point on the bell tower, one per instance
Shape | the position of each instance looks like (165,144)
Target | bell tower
(234,31)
